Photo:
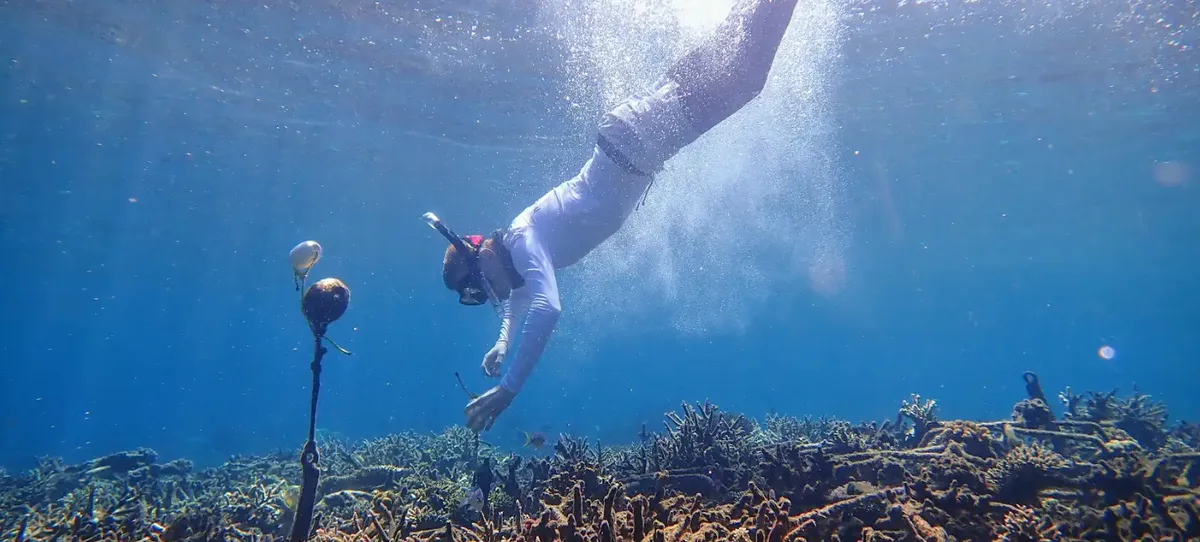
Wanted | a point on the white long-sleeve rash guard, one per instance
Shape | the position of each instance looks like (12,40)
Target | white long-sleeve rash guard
(576,216)
(555,232)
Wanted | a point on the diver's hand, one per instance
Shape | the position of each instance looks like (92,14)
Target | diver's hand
(483,410)
(494,358)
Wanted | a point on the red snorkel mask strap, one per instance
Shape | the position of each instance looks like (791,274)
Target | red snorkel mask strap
(476,242)
(471,256)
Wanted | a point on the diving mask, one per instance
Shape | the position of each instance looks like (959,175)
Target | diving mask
(473,289)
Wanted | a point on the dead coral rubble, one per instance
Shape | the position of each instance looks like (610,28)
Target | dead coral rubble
(1108,469)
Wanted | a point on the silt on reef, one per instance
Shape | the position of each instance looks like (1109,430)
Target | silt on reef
(1108,468)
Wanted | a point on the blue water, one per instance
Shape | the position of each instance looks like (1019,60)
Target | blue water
(1018,184)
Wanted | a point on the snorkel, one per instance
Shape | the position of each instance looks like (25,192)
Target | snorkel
(475,283)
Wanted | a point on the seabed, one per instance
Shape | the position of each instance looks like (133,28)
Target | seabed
(1108,468)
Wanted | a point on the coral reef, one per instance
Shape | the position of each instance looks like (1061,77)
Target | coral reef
(1110,468)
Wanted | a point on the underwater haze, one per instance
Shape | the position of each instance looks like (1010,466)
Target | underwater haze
(929,197)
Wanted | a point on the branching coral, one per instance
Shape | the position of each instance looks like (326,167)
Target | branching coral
(1094,475)
(1143,418)
(702,436)
(922,415)
(1025,524)
(1137,415)
(777,428)
(976,438)
(1025,470)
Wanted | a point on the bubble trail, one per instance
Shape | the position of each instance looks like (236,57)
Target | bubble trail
(749,209)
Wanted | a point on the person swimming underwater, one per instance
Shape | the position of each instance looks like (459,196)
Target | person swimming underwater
(514,268)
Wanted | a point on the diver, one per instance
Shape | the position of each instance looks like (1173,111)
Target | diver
(513,268)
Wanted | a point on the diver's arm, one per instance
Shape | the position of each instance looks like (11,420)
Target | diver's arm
(513,309)
(540,319)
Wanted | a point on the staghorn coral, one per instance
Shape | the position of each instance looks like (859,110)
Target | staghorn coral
(1026,469)
(846,438)
(1025,524)
(1137,415)
(716,477)
(977,439)
(1143,419)
(701,437)
(777,428)
(1184,436)
(922,415)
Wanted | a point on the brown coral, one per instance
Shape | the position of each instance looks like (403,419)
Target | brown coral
(1025,524)
(1026,469)
(1075,479)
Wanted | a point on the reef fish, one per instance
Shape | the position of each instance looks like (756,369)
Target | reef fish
(535,440)
(473,499)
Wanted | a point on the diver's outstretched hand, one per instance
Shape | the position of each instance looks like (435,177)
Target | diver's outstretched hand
(494,358)
(483,410)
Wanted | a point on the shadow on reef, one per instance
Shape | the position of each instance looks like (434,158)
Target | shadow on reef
(1108,468)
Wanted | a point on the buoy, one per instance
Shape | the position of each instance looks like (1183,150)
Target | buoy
(325,301)
(303,257)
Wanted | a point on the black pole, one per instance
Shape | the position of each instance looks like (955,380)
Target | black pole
(321,304)
(309,458)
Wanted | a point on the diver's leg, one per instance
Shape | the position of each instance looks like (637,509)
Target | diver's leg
(701,89)
(729,68)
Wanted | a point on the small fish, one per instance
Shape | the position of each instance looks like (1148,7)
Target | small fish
(473,500)
(291,495)
(535,440)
